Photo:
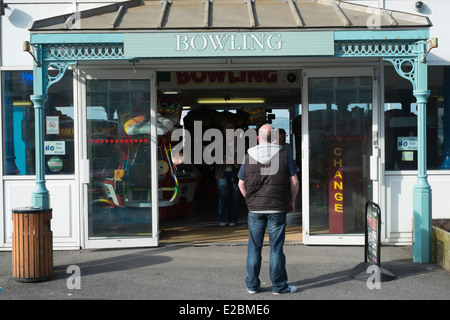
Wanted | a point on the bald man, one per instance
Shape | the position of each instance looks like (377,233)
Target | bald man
(268,181)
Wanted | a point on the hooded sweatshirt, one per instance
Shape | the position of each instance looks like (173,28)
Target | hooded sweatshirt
(266,179)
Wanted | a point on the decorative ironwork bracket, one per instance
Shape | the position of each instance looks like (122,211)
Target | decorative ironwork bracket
(406,68)
(375,48)
(75,52)
(403,54)
(58,57)
(59,68)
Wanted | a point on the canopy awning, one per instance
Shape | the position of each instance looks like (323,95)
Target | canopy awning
(230,14)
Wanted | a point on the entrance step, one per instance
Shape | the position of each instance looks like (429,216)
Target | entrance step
(208,235)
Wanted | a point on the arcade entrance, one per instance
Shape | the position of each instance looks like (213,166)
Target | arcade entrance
(214,99)
(329,123)
(138,40)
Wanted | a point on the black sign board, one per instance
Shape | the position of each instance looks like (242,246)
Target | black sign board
(372,247)
(373,234)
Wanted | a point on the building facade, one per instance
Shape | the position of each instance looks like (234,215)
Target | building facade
(344,88)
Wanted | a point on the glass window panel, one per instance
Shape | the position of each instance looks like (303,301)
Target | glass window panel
(340,125)
(120,183)
(59,127)
(18,125)
(400,114)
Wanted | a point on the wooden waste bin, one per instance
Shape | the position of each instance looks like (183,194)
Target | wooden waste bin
(32,249)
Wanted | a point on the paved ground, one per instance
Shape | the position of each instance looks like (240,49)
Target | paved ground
(217,272)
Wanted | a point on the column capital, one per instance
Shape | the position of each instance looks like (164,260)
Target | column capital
(38,97)
(421,95)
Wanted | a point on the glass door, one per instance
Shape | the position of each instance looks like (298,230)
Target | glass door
(339,145)
(118,160)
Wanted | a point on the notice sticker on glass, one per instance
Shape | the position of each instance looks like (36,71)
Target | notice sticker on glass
(407,156)
(406,143)
(55,164)
(54,147)
(52,124)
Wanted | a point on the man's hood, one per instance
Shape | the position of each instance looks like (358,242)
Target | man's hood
(263,153)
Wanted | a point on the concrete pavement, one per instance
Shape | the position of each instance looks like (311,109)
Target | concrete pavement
(217,272)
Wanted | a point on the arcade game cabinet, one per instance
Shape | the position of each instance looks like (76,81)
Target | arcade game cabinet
(126,187)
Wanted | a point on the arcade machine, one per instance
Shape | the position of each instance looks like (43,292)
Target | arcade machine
(127,188)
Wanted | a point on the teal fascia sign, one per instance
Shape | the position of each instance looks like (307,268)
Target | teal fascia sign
(228,44)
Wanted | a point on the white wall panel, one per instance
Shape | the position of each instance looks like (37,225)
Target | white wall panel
(14,28)
(65,217)
(440,193)
(399,208)
(435,10)
(399,203)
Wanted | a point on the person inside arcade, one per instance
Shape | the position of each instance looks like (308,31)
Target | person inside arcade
(226,177)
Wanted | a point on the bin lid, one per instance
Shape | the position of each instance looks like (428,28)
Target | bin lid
(30,209)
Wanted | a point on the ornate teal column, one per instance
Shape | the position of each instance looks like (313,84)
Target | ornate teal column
(422,215)
(40,196)
(415,70)
(422,229)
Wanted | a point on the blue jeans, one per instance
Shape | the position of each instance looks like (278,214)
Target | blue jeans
(229,196)
(276,225)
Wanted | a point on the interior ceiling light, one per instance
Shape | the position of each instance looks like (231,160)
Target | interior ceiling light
(22,103)
(170,92)
(230,100)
